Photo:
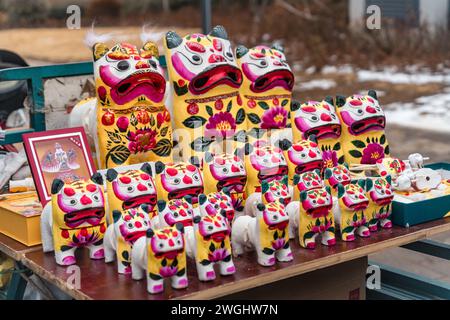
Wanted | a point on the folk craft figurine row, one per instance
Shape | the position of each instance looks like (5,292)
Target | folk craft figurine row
(255,168)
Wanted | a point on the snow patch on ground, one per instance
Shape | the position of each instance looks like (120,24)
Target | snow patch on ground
(316,84)
(428,112)
(401,77)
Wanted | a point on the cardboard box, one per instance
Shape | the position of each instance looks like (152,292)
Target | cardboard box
(344,281)
(409,214)
(20,216)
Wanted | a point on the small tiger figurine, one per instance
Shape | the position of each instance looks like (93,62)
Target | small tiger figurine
(74,218)
(363,123)
(351,215)
(380,194)
(321,120)
(263,162)
(314,218)
(267,233)
(271,191)
(129,225)
(225,170)
(267,86)
(218,201)
(130,189)
(211,243)
(175,211)
(308,180)
(159,255)
(177,180)
(334,176)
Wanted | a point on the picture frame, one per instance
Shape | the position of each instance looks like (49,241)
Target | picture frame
(62,153)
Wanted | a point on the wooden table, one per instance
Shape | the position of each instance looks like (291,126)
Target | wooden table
(101,281)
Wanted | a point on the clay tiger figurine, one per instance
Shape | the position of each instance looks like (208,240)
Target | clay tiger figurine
(351,212)
(130,189)
(127,227)
(380,194)
(314,218)
(337,175)
(74,218)
(177,180)
(175,211)
(308,180)
(217,202)
(159,255)
(128,120)
(363,123)
(266,88)
(205,82)
(321,120)
(267,233)
(210,243)
(225,170)
(264,161)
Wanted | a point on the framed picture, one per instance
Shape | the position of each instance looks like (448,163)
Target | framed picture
(62,154)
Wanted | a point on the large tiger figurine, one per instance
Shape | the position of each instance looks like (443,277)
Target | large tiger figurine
(74,218)
(267,87)
(321,120)
(131,188)
(205,81)
(363,122)
(159,255)
(128,121)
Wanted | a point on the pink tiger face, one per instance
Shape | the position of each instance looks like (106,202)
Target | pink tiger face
(133,188)
(381,192)
(275,216)
(132,225)
(269,161)
(214,228)
(218,201)
(167,242)
(204,61)
(339,174)
(229,171)
(316,202)
(276,190)
(306,156)
(266,68)
(362,114)
(127,73)
(81,203)
(318,118)
(354,197)
(182,179)
(309,180)
(176,210)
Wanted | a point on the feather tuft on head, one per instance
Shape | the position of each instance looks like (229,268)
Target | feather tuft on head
(92,38)
(150,34)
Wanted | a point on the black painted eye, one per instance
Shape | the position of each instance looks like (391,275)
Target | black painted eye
(73,202)
(263,63)
(360,111)
(314,118)
(210,227)
(176,181)
(152,63)
(95,198)
(161,245)
(123,65)
(130,225)
(130,189)
(196,58)
(175,214)
(229,55)
(225,170)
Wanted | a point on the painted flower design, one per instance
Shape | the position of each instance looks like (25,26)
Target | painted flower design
(141,140)
(221,124)
(330,159)
(162,117)
(168,271)
(274,118)
(372,153)
(218,255)
(278,244)
(122,124)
